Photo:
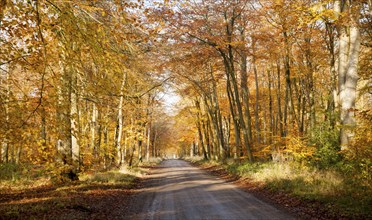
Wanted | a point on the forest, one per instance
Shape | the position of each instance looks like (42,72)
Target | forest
(260,86)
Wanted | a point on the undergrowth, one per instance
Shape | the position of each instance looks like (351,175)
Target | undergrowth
(330,187)
(23,176)
(41,198)
(15,176)
(111,177)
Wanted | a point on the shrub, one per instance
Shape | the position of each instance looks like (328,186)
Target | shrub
(9,171)
(326,140)
(358,162)
(113,177)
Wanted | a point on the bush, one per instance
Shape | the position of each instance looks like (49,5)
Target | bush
(358,163)
(113,177)
(326,140)
(9,171)
(61,174)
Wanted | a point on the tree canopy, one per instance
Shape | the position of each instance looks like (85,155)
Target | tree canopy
(82,82)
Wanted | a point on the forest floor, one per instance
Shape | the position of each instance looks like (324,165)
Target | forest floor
(103,196)
(113,195)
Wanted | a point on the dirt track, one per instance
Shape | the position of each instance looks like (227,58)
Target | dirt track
(177,190)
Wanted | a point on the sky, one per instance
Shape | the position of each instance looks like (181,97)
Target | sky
(170,99)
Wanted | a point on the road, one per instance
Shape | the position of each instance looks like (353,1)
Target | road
(177,190)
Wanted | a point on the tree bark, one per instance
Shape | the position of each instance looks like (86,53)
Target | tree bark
(74,120)
(207,141)
(278,95)
(333,93)
(289,110)
(271,115)
(148,142)
(93,129)
(349,47)
(310,85)
(119,125)
(245,97)
(5,141)
(198,125)
(257,122)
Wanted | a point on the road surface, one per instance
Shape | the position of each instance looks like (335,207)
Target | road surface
(177,190)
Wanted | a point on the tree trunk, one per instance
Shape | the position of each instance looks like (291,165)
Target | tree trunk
(349,47)
(271,115)
(198,125)
(148,142)
(257,122)
(93,131)
(207,141)
(245,97)
(278,95)
(214,152)
(235,119)
(119,125)
(289,105)
(348,89)
(5,141)
(227,135)
(233,89)
(140,143)
(228,60)
(74,121)
(106,144)
(154,145)
(332,97)
(63,114)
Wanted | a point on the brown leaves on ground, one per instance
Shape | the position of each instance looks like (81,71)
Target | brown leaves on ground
(77,200)
(81,200)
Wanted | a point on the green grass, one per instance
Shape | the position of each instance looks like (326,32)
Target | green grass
(343,193)
(9,171)
(113,177)
(18,177)
(152,161)
(23,177)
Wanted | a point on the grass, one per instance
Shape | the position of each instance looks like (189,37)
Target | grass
(283,176)
(152,161)
(24,176)
(18,177)
(330,187)
(29,192)
(110,177)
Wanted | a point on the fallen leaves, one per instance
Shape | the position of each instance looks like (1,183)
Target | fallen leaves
(73,201)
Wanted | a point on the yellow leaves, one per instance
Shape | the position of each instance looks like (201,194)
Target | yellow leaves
(288,148)
(236,43)
(317,12)
(297,147)
(267,149)
(361,147)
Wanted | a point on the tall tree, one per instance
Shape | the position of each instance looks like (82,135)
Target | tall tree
(348,13)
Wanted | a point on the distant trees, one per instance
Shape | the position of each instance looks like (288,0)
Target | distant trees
(267,71)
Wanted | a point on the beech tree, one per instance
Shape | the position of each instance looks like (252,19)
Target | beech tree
(81,82)
(278,86)
(79,62)
(348,59)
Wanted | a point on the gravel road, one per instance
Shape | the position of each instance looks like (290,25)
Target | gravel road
(177,190)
